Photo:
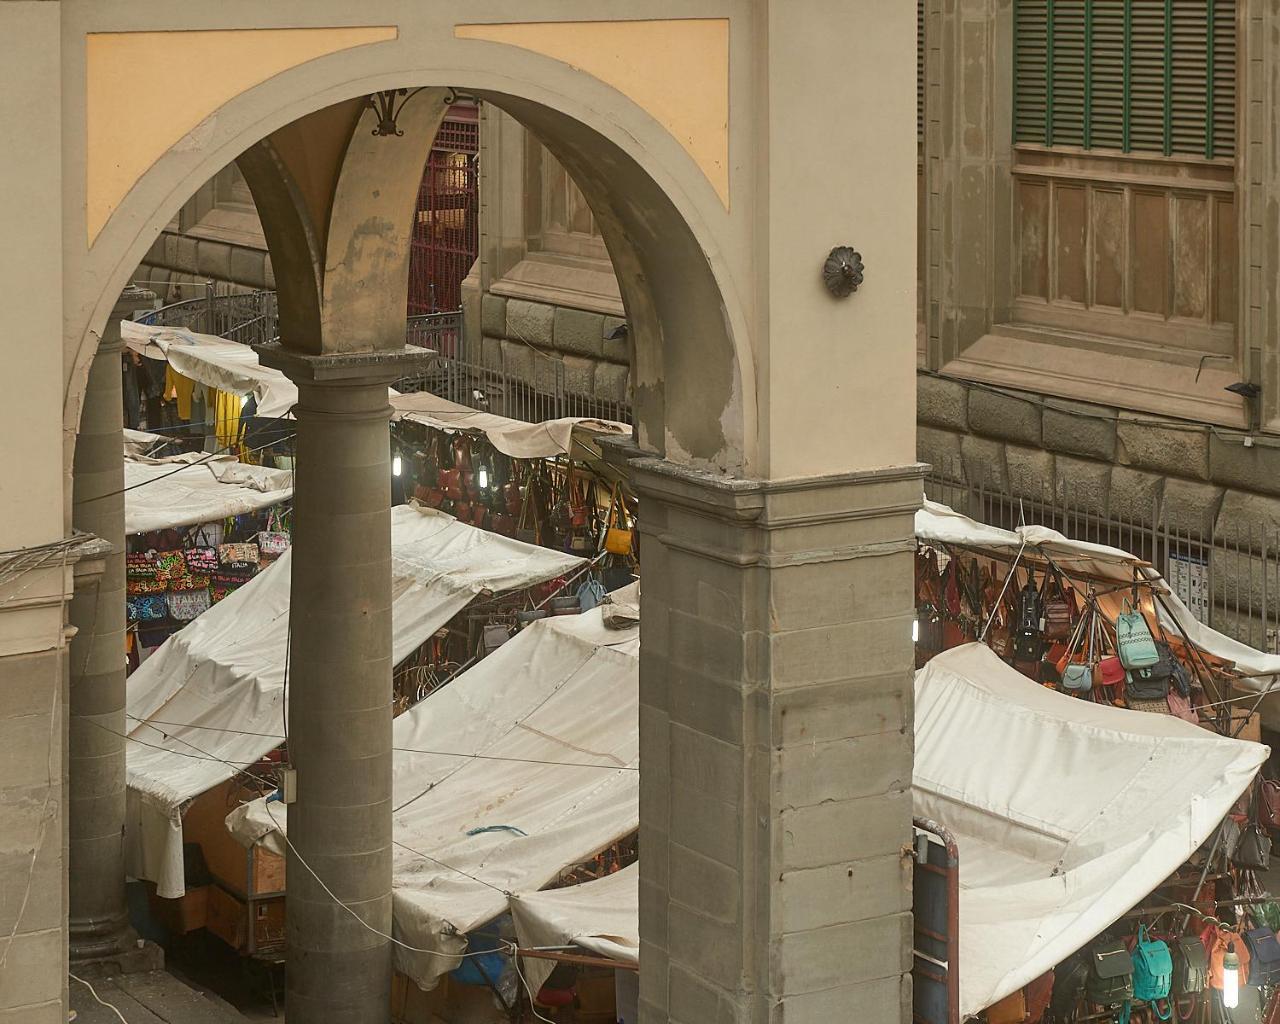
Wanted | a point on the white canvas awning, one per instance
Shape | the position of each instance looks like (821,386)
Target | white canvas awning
(602,916)
(216,363)
(516,438)
(184,490)
(1066,813)
(212,693)
(520,768)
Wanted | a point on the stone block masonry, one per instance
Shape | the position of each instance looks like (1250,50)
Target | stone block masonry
(775,690)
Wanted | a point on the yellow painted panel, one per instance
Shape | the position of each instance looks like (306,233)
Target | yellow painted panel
(677,70)
(146,91)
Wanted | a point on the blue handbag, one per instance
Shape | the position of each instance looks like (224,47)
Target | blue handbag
(1152,971)
(1134,643)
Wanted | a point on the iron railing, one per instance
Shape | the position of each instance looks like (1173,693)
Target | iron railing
(1226,572)
(252,318)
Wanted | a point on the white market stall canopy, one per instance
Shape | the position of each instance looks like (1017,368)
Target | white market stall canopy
(938,524)
(184,490)
(213,693)
(516,438)
(602,916)
(1066,813)
(540,773)
(216,363)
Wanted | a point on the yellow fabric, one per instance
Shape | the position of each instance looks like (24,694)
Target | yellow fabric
(227,419)
(179,387)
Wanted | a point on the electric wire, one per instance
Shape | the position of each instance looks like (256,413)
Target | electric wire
(515,956)
(94,992)
(404,750)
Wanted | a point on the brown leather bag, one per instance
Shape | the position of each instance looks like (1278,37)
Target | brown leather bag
(1269,804)
(1012,1009)
(1039,995)
(1059,611)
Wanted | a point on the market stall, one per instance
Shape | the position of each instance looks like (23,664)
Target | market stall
(521,769)
(212,700)
(1091,620)
(1067,813)
(195,488)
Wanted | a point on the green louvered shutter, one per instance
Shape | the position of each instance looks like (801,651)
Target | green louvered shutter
(1107,95)
(920,71)
(1145,76)
(1069,44)
(1223,79)
(1030,71)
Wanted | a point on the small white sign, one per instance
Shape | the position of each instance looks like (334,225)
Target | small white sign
(1188,575)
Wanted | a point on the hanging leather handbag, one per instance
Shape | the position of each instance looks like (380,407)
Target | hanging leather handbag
(503,524)
(1134,643)
(1110,973)
(1180,679)
(1077,675)
(451,484)
(1264,956)
(1269,803)
(1039,995)
(1190,966)
(1153,968)
(1152,682)
(617,537)
(1109,672)
(1068,987)
(1059,608)
(1253,849)
(1012,1009)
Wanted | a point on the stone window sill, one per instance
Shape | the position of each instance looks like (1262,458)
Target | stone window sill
(1050,363)
(562,280)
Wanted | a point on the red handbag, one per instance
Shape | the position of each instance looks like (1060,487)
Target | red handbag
(451,483)
(502,523)
(1108,672)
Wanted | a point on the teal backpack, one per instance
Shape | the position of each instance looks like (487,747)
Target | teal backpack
(1152,972)
(1134,642)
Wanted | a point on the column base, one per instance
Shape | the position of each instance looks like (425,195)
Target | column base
(121,952)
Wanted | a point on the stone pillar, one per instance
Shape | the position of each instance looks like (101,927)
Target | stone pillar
(99,919)
(339,972)
(776,745)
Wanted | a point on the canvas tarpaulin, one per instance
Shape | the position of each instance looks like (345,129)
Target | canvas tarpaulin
(602,916)
(184,490)
(1066,813)
(215,362)
(213,692)
(515,438)
(532,770)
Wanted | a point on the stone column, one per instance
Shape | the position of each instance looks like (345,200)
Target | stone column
(99,919)
(776,746)
(339,972)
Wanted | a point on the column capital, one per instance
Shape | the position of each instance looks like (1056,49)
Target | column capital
(796,520)
(344,368)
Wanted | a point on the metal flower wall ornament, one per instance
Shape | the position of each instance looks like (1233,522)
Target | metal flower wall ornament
(842,273)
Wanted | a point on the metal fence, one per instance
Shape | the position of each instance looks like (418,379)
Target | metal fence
(1228,574)
(446,224)
(252,318)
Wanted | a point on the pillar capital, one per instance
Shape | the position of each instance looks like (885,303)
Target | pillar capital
(344,368)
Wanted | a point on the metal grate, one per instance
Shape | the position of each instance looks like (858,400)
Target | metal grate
(446,225)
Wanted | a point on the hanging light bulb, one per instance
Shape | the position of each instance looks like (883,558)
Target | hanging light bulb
(915,631)
(483,478)
(1231,978)
(396,466)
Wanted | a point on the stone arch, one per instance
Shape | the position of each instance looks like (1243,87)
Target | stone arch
(693,369)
